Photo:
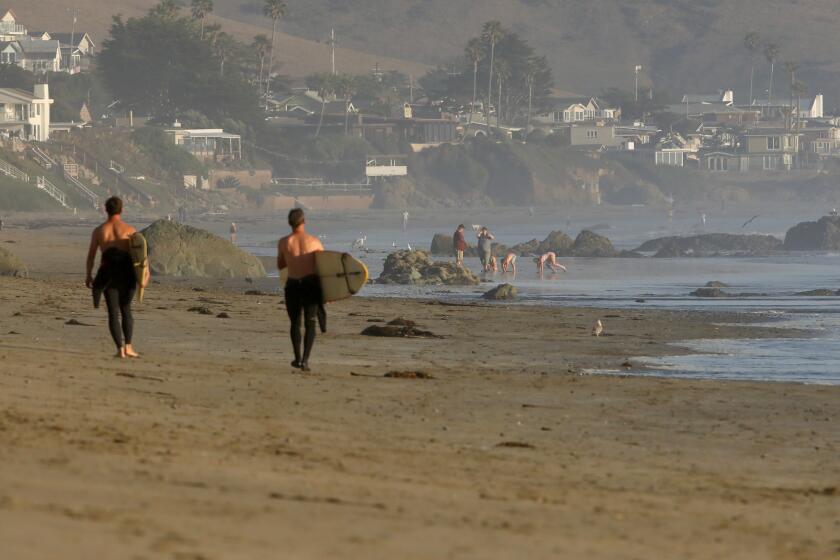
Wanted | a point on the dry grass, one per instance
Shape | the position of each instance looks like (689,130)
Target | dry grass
(297,56)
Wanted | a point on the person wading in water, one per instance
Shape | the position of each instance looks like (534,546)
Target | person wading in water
(115,277)
(296,252)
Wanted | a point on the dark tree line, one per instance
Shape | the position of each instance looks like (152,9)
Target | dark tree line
(498,69)
(165,64)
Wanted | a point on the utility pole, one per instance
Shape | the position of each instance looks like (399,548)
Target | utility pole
(332,43)
(636,72)
(75,12)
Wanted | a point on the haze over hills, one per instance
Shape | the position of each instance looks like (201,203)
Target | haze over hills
(297,56)
(682,44)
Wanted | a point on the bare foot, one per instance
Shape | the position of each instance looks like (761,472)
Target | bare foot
(129,352)
(120,353)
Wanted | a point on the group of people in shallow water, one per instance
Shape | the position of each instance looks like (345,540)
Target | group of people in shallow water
(116,281)
(489,262)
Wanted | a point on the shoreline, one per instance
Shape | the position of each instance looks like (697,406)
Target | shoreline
(210,446)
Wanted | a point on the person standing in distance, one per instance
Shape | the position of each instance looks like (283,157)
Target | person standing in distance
(459,243)
(296,252)
(115,277)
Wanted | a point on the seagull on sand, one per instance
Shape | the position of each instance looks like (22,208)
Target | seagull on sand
(597,328)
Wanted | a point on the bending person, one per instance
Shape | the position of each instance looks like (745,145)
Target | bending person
(115,277)
(303,287)
(548,259)
(509,262)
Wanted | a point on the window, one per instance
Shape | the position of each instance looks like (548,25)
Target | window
(718,164)
(567,116)
(591,134)
(774,143)
(673,159)
(770,163)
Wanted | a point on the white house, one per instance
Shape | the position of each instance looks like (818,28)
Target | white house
(40,56)
(10,29)
(575,110)
(26,115)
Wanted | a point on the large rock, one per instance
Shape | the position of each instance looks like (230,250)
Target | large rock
(502,292)
(415,267)
(711,245)
(10,265)
(443,245)
(181,250)
(822,235)
(590,244)
(556,241)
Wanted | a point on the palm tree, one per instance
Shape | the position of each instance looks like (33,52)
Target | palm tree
(165,9)
(475,52)
(274,10)
(345,86)
(530,77)
(799,89)
(200,9)
(771,53)
(791,68)
(261,46)
(224,45)
(503,73)
(324,84)
(751,42)
(491,32)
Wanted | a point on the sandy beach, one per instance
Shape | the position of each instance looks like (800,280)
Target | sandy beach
(211,447)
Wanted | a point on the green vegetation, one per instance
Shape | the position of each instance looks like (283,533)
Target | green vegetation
(164,64)
(516,77)
(24,197)
(173,159)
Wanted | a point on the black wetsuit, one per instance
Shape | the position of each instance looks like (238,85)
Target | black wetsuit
(116,280)
(303,296)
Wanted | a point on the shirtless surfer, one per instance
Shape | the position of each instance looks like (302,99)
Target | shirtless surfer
(548,259)
(115,277)
(296,252)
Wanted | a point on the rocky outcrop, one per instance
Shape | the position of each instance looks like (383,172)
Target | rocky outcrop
(822,235)
(10,265)
(556,241)
(502,292)
(181,250)
(822,292)
(711,245)
(443,245)
(590,244)
(415,267)
(709,293)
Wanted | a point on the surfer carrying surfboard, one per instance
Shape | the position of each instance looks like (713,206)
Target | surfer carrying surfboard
(115,278)
(296,253)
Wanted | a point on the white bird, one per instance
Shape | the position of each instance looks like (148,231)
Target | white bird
(360,243)
(409,246)
(597,328)
(476,227)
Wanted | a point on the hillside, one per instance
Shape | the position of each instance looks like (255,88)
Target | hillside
(297,56)
(682,44)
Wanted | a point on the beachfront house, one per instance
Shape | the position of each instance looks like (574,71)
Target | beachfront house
(209,144)
(26,115)
(76,50)
(10,29)
(577,110)
(804,108)
(40,56)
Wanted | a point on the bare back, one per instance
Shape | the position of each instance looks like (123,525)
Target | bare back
(113,233)
(296,252)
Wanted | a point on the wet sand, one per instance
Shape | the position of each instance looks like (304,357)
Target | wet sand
(211,446)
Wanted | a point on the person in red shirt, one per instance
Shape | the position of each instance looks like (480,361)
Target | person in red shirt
(460,244)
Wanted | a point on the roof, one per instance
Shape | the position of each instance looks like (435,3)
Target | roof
(784,101)
(702,98)
(768,132)
(16,95)
(700,108)
(202,133)
(30,46)
(65,38)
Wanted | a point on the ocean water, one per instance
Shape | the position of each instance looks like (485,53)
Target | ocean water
(646,283)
